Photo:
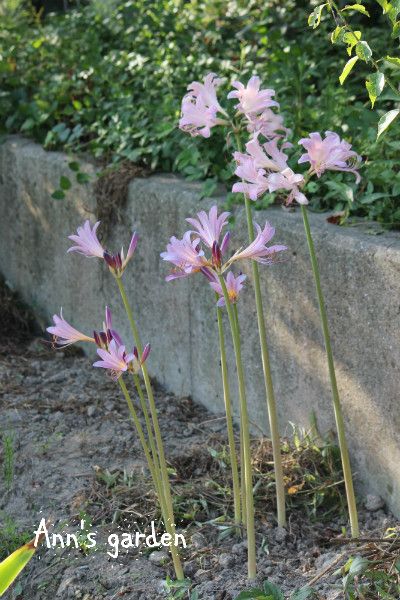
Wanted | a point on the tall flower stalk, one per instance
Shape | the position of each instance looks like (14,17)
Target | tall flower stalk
(268,383)
(164,484)
(247,467)
(264,167)
(118,361)
(254,104)
(347,475)
(188,257)
(229,421)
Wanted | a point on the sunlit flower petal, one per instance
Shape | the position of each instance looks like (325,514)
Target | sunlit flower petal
(329,154)
(252,100)
(64,334)
(86,241)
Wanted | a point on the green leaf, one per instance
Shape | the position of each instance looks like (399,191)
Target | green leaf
(359,7)
(386,6)
(396,30)
(358,565)
(337,34)
(270,589)
(58,195)
(351,38)
(386,120)
(302,594)
(76,104)
(37,43)
(393,60)
(74,166)
(65,183)
(209,186)
(347,68)
(375,84)
(11,567)
(363,51)
(392,10)
(82,177)
(29,123)
(253,594)
(315,17)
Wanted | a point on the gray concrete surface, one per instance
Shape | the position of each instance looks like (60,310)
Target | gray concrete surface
(361,280)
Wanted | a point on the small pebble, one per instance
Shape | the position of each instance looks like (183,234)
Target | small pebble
(198,540)
(190,568)
(202,575)
(158,557)
(374,502)
(226,560)
(280,534)
(91,410)
(239,548)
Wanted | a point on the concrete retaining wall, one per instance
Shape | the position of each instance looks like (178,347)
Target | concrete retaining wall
(361,279)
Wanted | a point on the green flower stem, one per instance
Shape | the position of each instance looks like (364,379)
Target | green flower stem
(351,501)
(242,463)
(160,489)
(266,366)
(251,542)
(169,516)
(242,478)
(272,412)
(146,415)
(139,428)
(229,423)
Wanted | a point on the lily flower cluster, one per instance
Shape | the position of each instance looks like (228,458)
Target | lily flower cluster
(115,357)
(110,346)
(264,166)
(188,256)
(111,349)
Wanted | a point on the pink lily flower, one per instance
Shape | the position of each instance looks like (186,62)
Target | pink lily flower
(252,100)
(209,227)
(86,241)
(331,154)
(197,118)
(233,285)
(266,156)
(200,107)
(287,180)
(88,244)
(254,182)
(269,124)
(207,91)
(258,249)
(114,358)
(64,334)
(185,254)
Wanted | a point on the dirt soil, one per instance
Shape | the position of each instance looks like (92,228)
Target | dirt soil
(76,457)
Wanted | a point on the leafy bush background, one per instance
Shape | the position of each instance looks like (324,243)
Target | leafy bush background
(107,78)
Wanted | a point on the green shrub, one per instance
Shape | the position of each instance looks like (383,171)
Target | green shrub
(108,79)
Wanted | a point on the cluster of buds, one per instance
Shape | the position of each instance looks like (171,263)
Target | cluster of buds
(188,255)
(264,166)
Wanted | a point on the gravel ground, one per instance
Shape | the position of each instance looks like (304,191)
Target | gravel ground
(75,454)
